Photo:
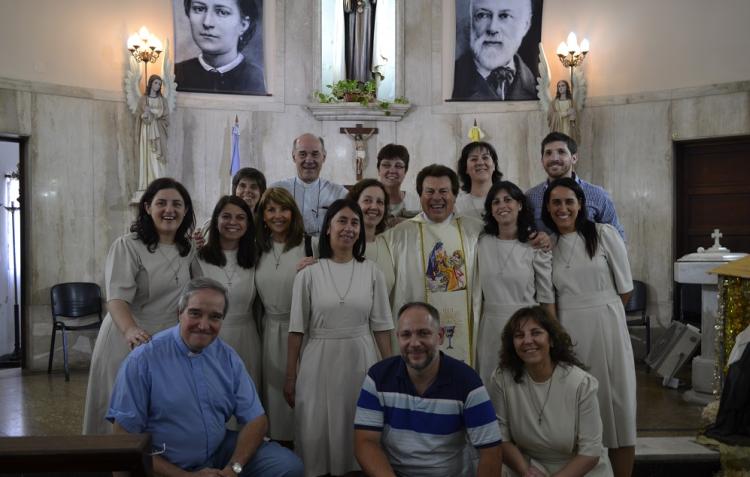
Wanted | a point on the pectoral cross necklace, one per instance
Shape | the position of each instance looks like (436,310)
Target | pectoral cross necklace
(169,264)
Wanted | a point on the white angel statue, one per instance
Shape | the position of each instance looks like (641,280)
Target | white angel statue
(151,112)
(562,110)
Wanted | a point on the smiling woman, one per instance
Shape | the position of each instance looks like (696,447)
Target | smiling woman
(339,304)
(222,30)
(145,272)
(229,258)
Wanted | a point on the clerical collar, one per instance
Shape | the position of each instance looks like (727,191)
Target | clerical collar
(221,69)
(427,219)
(511,65)
(307,185)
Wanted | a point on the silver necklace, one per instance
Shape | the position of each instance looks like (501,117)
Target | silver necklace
(169,261)
(276,258)
(342,298)
(229,277)
(539,410)
(572,249)
(507,257)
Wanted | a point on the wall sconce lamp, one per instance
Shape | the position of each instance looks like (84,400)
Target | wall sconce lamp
(145,48)
(571,54)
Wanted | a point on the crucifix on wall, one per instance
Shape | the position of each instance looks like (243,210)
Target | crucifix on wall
(360,135)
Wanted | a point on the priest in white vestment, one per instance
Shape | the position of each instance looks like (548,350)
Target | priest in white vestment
(434,255)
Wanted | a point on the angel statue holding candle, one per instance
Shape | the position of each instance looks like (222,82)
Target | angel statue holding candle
(562,110)
(151,111)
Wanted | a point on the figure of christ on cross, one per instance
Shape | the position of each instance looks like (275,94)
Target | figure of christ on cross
(360,135)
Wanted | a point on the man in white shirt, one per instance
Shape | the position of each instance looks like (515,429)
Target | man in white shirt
(312,194)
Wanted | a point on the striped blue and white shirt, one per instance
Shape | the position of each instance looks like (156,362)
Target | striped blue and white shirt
(428,435)
(599,205)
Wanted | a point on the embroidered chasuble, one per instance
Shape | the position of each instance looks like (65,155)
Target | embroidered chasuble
(435,263)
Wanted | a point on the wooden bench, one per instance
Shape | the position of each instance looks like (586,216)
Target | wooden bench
(62,454)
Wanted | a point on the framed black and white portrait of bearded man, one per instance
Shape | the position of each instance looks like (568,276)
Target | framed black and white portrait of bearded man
(497,49)
(219,46)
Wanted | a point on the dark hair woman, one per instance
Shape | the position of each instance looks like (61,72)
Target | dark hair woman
(229,258)
(591,274)
(279,231)
(478,170)
(545,402)
(340,303)
(145,272)
(512,274)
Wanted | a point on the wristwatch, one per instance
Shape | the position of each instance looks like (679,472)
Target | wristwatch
(236,468)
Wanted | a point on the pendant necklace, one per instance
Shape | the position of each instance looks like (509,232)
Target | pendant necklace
(507,257)
(342,298)
(276,258)
(229,277)
(572,249)
(169,261)
(540,411)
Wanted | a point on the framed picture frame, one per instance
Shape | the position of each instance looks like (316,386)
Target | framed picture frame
(219,46)
(497,48)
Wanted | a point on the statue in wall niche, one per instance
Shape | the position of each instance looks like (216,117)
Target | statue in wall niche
(562,109)
(151,111)
(360,30)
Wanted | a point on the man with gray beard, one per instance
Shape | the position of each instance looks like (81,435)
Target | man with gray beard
(492,69)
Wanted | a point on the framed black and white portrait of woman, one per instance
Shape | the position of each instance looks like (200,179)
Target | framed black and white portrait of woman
(219,46)
(497,49)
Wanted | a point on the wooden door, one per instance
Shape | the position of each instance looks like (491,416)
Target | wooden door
(712,192)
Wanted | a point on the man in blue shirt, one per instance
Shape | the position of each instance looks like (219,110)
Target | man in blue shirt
(558,158)
(184,385)
(416,412)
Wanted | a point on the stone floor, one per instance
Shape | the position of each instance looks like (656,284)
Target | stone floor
(41,404)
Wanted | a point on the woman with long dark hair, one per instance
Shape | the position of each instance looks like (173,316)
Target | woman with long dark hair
(338,305)
(478,170)
(229,258)
(591,274)
(512,274)
(145,272)
(280,231)
(545,402)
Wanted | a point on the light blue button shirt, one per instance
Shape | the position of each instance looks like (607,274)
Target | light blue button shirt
(183,399)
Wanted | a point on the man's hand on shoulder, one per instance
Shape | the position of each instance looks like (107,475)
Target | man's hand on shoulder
(541,241)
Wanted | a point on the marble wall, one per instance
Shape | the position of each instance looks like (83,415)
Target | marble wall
(82,172)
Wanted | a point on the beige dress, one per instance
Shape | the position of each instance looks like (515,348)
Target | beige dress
(512,275)
(150,283)
(469,205)
(570,423)
(591,311)
(339,350)
(380,253)
(239,329)
(408,207)
(274,287)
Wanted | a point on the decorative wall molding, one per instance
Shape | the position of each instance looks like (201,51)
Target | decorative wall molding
(357,112)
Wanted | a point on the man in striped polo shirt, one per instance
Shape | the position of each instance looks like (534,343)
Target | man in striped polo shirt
(424,413)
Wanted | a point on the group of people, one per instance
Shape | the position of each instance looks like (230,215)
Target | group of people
(386,331)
